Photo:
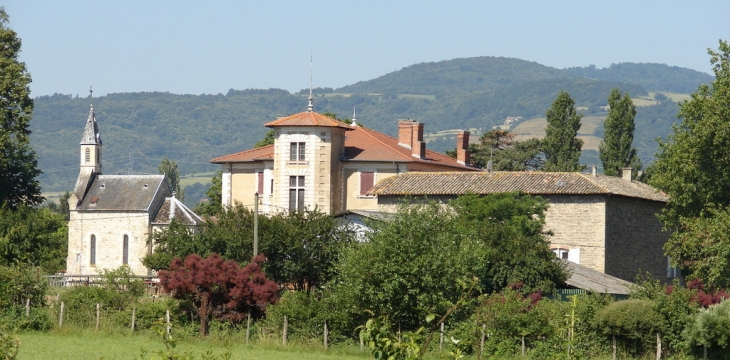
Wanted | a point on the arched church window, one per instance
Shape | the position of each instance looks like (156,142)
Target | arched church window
(125,250)
(88,155)
(92,250)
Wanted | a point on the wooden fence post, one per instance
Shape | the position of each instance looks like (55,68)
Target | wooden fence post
(441,338)
(134,317)
(283,336)
(326,334)
(481,342)
(248,327)
(60,317)
(97,316)
(167,318)
(27,307)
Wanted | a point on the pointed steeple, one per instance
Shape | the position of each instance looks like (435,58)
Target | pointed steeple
(310,107)
(354,121)
(91,130)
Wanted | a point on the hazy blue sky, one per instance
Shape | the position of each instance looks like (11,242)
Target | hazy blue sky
(188,47)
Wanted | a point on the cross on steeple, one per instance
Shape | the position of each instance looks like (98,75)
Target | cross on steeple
(310,107)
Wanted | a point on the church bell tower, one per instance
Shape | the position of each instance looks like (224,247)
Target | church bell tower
(89,155)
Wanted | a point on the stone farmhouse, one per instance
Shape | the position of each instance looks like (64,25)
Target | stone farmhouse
(605,223)
(319,162)
(111,216)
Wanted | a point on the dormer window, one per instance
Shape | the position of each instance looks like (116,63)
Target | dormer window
(296,152)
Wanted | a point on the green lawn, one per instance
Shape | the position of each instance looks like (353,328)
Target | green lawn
(92,345)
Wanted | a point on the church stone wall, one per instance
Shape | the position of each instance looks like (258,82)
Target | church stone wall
(109,229)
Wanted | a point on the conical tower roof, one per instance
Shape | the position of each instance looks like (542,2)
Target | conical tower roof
(91,130)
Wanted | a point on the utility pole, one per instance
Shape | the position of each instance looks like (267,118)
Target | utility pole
(256,224)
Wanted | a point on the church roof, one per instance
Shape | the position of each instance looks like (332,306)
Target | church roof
(308,118)
(534,183)
(124,192)
(91,130)
(361,144)
(172,208)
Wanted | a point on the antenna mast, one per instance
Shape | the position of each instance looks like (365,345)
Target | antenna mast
(310,107)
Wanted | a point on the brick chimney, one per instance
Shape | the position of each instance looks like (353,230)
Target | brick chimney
(405,134)
(463,156)
(627,173)
(418,146)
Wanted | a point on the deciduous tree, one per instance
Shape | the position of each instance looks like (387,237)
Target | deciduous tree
(219,287)
(693,167)
(561,146)
(18,162)
(616,151)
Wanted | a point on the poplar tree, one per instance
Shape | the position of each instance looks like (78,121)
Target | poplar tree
(615,149)
(561,146)
(18,161)
(172,174)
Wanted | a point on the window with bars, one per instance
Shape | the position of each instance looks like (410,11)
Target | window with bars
(296,193)
(125,250)
(296,152)
(92,250)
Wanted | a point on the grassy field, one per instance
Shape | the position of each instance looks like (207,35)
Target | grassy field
(93,345)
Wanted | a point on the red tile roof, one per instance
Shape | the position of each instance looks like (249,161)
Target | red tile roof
(369,145)
(361,144)
(257,154)
(308,119)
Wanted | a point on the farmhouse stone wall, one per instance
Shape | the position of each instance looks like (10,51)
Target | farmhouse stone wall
(109,229)
(634,238)
(579,222)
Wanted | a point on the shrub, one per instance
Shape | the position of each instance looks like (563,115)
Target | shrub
(711,328)
(633,323)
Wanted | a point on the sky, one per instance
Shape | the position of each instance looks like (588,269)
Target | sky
(196,47)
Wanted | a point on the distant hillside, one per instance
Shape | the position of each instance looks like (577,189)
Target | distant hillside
(139,129)
(456,76)
(653,77)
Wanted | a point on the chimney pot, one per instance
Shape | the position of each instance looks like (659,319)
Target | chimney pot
(627,172)
(594,170)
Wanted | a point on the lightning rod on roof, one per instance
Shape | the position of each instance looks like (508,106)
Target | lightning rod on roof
(310,107)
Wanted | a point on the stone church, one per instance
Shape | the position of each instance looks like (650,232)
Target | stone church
(111,216)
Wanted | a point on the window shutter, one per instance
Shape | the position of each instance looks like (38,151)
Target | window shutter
(366,182)
(574,255)
(261,182)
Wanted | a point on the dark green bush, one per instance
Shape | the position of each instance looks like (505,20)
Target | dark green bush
(634,324)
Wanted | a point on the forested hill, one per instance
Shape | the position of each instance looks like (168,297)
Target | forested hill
(139,129)
(653,77)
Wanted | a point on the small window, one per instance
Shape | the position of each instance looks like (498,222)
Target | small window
(98,155)
(125,250)
(561,253)
(296,151)
(367,180)
(87,158)
(92,250)
(272,187)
